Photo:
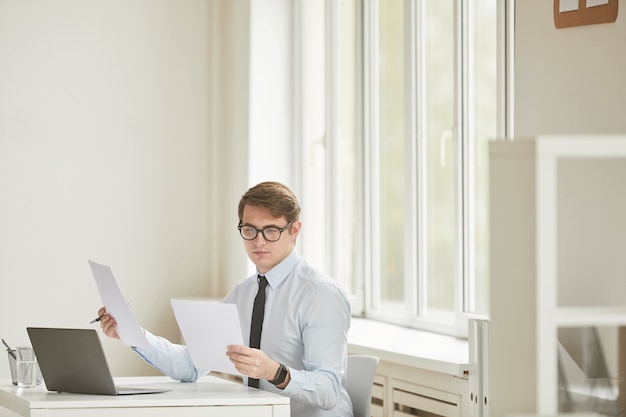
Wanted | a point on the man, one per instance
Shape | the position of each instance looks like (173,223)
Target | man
(303,343)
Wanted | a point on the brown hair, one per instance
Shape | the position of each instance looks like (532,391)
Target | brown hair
(275,197)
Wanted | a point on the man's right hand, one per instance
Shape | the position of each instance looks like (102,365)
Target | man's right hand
(108,323)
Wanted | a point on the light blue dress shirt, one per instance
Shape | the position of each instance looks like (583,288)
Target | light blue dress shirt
(307,317)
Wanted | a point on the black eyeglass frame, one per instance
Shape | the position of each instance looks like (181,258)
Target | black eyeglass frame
(280,231)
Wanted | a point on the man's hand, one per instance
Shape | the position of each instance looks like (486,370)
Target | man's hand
(108,323)
(253,363)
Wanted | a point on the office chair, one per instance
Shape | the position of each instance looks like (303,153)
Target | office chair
(359,380)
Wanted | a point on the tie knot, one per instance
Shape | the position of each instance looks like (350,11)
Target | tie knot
(262,281)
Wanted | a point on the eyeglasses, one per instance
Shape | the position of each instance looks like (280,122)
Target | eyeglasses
(270,233)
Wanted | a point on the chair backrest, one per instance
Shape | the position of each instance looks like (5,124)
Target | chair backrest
(359,380)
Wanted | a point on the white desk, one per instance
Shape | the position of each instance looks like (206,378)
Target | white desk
(210,396)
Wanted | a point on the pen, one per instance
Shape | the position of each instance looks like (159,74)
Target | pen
(96,319)
(11,352)
(100,317)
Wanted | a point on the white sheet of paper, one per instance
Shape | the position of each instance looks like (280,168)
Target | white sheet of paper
(208,328)
(127,327)
(594,3)
(568,5)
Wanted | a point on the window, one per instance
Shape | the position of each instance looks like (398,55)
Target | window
(398,102)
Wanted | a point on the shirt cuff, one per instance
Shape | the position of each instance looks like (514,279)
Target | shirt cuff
(296,381)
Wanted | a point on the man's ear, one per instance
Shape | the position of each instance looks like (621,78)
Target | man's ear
(295,228)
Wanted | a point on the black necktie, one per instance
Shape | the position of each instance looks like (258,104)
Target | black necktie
(257,322)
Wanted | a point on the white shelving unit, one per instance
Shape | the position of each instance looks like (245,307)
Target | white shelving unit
(591,316)
(558,258)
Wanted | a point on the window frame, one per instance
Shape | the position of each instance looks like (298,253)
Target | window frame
(365,283)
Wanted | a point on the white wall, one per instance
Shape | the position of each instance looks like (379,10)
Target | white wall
(229,56)
(251,104)
(567,80)
(104,155)
(126,131)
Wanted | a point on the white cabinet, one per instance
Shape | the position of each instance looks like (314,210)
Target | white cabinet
(405,391)
(557,258)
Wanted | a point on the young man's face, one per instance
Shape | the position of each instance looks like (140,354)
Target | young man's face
(266,255)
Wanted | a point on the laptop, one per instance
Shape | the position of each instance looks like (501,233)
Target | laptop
(72,360)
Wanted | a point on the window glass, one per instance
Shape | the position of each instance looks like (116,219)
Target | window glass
(349,216)
(439,157)
(312,95)
(396,104)
(483,121)
(390,153)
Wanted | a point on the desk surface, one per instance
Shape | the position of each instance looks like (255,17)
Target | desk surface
(226,398)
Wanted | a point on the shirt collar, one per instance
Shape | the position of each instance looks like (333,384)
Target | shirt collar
(278,274)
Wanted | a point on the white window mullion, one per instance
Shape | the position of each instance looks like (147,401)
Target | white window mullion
(411,247)
(331,139)
(297,97)
(420,132)
(361,269)
(464,181)
(371,171)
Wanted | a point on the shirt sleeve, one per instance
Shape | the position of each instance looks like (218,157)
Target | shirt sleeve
(169,358)
(326,320)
